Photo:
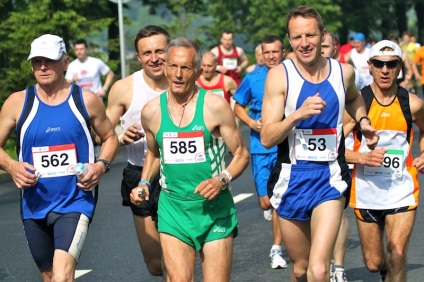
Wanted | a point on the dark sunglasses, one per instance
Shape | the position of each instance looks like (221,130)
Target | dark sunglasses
(380,64)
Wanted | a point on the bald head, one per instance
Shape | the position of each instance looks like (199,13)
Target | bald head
(209,63)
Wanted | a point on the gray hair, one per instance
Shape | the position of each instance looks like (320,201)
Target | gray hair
(187,43)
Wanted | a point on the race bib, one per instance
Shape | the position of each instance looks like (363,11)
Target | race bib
(392,165)
(230,63)
(55,161)
(318,145)
(218,92)
(183,147)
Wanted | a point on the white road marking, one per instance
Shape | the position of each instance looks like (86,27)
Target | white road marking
(241,197)
(79,273)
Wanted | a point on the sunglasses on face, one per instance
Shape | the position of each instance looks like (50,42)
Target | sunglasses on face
(389,64)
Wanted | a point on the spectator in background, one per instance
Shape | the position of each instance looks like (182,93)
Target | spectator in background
(85,71)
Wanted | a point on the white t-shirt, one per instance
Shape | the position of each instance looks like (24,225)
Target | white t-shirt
(88,73)
(360,61)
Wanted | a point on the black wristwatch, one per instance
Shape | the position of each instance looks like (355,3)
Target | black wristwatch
(224,181)
(106,163)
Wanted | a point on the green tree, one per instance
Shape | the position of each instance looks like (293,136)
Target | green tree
(24,24)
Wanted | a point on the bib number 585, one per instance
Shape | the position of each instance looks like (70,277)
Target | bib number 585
(183,147)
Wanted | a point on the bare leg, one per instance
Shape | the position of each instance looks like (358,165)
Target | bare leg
(398,228)
(148,238)
(179,258)
(217,257)
(325,225)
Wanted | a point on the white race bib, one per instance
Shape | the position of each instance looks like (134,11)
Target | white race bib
(319,145)
(392,165)
(184,147)
(230,63)
(55,161)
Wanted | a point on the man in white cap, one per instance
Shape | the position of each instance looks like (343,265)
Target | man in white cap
(385,180)
(52,120)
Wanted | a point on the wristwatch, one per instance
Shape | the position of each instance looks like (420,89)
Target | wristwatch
(224,181)
(106,163)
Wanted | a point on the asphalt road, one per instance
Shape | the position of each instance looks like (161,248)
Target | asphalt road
(111,252)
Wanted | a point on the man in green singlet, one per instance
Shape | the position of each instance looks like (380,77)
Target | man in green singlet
(187,129)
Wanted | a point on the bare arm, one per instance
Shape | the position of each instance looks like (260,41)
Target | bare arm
(151,119)
(240,112)
(417,111)
(22,172)
(108,81)
(230,85)
(104,129)
(220,120)
(355,106)
(109,78)
(120,97)
(244,62)
(373,158)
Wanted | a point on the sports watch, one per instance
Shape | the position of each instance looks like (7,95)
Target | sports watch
(106,163)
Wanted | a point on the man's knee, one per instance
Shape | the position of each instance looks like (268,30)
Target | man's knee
(318,272)
(154,267)
(396,255)
(374,264)
(299,272)
(62,276)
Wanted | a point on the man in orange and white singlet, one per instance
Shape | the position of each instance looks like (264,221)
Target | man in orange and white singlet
(231,59)
(217,83)
(385,186)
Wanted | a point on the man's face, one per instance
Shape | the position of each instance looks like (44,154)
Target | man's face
(259,57)
(385,70)
(152,55)
(273,55)
(328,48)
(81,51)
(227,40)
(208,66)
(305,39)
(180,71)
(359,45)
(47,71)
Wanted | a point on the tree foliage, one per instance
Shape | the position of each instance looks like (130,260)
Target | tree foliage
(28,21)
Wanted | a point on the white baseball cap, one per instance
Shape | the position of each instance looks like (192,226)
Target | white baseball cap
(376,49)
(47,46)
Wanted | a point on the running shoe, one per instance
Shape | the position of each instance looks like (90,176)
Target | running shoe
(339,275)
(277,260)
(268,214)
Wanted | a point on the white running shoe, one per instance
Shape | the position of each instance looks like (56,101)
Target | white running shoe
(268,214)
(339,275)
(277,260)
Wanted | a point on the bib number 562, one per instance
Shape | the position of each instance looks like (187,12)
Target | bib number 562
(183,147)
(54,160)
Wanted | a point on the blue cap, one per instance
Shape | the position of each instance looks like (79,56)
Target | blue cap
(359,37)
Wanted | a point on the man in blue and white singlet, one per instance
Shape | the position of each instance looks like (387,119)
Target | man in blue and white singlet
(52,121)
(302,112)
